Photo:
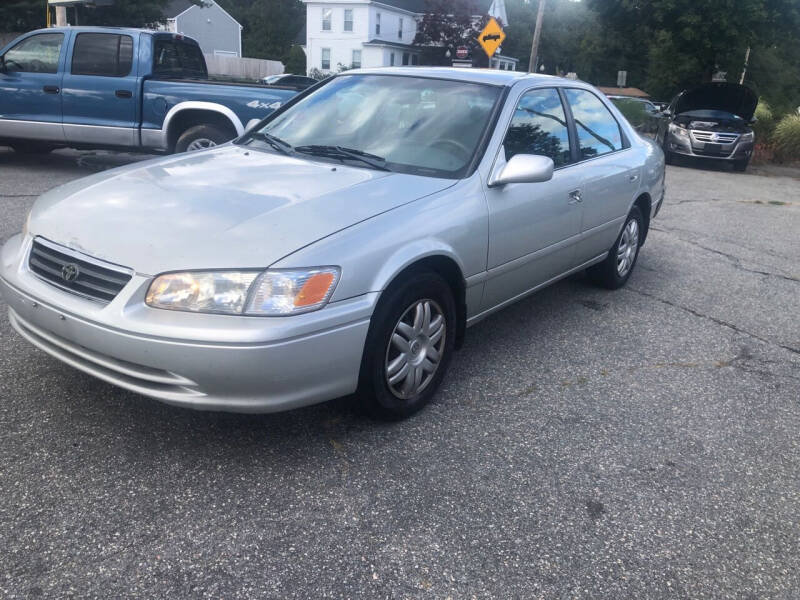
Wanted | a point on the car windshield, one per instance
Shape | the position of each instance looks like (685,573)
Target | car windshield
(416,125)
(711,114)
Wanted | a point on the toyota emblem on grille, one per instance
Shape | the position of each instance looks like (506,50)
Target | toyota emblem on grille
(69,272)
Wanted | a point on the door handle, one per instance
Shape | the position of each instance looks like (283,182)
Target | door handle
(123,94)
(51,89)
(575,197)
(633,178)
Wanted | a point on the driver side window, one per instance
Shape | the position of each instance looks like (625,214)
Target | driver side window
(36,54)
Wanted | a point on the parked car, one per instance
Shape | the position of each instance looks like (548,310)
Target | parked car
(299,82)
(343,245)
(130,89)
(711,121)
(641,113)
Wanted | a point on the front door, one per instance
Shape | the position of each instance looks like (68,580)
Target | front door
(30,89)
(533,226)
(100,91)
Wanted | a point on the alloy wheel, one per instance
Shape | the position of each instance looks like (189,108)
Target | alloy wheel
(200,144)
(626,250)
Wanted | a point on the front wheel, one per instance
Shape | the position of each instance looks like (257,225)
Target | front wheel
(615,270)
(201,137)
(408,348)
(741,165)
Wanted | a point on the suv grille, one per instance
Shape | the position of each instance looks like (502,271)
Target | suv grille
(77,273)
(722,138)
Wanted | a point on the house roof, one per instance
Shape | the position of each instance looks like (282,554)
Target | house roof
(377,42)
(480,7)
(631,92)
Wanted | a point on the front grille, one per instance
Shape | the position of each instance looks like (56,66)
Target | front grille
(721,138)
(76,272)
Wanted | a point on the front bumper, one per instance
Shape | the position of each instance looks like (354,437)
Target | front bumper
(688,146)
(202,361)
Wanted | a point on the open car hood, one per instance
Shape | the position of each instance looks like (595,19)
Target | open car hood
(729,97)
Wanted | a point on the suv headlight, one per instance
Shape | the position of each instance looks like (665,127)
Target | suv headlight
(747,137)
(274,292)
(677,130)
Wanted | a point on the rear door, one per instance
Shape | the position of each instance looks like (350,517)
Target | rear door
(608,177)
(30,88)
(100,94)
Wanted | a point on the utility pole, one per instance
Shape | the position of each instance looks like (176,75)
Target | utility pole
(61,16)
(537,34)
(746,61)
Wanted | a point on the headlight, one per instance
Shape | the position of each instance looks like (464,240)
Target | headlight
(747,137)
(677,130)
(260,293)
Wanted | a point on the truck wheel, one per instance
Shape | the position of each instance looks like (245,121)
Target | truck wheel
(201,137)
(741,165)
(32,148)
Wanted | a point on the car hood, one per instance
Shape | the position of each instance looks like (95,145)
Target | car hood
(229,207)
(729,97)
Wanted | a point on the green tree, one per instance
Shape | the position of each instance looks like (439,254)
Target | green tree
(22,15)
(447,25)
(269,27)
(295,61)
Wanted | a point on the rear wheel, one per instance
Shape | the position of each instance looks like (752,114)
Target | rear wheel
(201,137)
(409,346)
(615,270)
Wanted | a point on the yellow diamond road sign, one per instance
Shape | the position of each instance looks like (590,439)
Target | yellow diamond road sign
(491,37)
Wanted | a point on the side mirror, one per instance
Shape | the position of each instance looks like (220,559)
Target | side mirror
(524,168)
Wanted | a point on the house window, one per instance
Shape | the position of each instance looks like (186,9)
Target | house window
(326,59)
(326,19)
(405,58)
(356,59)
(391,59)
(400,29)
(378,24)
(348,19)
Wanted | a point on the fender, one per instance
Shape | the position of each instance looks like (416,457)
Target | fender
(407,255)
(198,105)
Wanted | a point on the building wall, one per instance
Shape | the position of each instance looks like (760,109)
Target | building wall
(215,30)
(342,43)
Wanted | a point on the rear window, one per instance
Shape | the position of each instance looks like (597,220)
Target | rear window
(174,58)
(103,54)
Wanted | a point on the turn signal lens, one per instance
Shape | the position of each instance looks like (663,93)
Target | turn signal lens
(292,291)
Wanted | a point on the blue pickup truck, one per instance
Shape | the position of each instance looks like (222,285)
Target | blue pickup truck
(131,89)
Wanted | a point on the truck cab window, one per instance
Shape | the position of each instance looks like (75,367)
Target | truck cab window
(102,54)
(175,59)
(35,54)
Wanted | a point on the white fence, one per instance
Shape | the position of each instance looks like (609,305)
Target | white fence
(242,68)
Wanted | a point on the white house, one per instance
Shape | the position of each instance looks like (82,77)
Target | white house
(217,32)
(369,33)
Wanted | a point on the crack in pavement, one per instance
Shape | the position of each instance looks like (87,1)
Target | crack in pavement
(737,262)
(716,320)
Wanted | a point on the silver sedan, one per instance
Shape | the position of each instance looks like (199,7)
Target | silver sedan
(343,245)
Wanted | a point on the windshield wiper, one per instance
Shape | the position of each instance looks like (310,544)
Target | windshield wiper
(275,142)
(340,152)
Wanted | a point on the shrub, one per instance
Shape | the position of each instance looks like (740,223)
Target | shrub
(765,123)
(295,61)
(786,138)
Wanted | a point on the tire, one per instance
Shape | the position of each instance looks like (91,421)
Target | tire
(608,273)
(383,355)
(32,148)
(741,165)
(200,137)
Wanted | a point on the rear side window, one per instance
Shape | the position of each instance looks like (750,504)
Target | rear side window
(598,130)
(178,59)
(36,54)
(102,54)
(539,126)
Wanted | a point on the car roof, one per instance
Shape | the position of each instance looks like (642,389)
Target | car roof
(487,76)
(105,29)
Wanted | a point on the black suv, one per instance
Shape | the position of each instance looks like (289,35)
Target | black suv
(710,121)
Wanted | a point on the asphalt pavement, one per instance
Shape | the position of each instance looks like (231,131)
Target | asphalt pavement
(641,443)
